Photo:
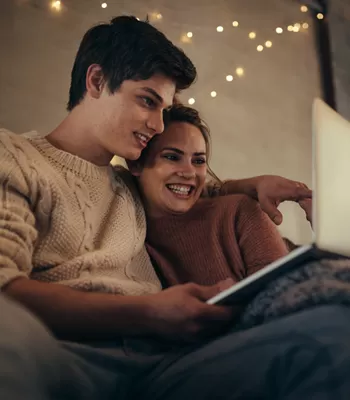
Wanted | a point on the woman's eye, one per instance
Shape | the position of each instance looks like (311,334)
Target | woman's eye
(199,161)
(171,157)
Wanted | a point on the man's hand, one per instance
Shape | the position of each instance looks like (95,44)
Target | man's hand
(272,190)
(181,313)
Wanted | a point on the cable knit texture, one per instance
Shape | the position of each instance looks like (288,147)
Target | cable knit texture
(67,221)
(228,236)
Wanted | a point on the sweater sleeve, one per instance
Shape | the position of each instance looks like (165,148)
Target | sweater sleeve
(211,189)
(17,221)
(258,238)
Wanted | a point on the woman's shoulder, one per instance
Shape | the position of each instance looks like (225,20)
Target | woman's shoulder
(227,206)
(229,201)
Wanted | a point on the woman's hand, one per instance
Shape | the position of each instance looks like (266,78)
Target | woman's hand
(306,205)
(273,190)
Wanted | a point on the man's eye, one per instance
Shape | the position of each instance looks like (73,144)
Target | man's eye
(148,101)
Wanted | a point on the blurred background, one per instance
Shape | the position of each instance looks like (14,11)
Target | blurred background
(258,72)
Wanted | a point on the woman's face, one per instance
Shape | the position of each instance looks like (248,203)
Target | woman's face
(174,172)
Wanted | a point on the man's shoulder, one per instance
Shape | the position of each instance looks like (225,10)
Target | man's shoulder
(126,180)
(17,154)
(10,141)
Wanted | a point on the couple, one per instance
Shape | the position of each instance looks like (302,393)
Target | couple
(72,253)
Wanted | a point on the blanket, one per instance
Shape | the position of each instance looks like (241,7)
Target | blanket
(316,283)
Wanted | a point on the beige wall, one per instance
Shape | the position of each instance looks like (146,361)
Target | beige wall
(260,122)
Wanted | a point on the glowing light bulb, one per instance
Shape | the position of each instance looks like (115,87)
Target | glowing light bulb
(229,78)
(213,94)
(268,43)
(290,28)
(260,47)
(159,16)
(303,9)
(305,25)
(220,29)
(235,24)
(191,101)
(279,30)
(252,35)
(320,16)
(104,5)
(239,71)
(296,28)
(189,34)
(56,5)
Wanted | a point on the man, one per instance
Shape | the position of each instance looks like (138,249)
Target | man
(72,252)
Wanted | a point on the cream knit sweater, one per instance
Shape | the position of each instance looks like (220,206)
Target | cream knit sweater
(64,220)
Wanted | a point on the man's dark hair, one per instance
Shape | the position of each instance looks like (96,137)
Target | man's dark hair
(128,49)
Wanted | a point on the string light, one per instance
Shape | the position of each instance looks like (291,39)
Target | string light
(185,39)
(138,18)
(239,71)
(56,5)
(320,16)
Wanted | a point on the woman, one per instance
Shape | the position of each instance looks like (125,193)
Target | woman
(192,238)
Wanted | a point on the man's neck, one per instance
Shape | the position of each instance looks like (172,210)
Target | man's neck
(74,137)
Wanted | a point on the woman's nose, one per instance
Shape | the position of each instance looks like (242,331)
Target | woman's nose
(187,174)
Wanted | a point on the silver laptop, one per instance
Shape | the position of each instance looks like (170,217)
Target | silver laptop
(331,206)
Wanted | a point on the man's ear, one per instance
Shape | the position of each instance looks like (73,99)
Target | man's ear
(134,166)
(95,81)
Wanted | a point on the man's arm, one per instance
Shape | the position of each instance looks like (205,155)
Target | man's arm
(178,313)
(269,190)
(75,315)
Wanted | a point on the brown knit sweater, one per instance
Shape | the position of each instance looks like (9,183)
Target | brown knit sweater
(228,236)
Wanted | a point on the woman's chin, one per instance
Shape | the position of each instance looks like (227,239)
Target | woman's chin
(179,209)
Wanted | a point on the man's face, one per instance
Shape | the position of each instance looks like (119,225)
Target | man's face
(127,119)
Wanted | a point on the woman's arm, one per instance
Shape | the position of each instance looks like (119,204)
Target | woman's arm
(269,190)
(258,238)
